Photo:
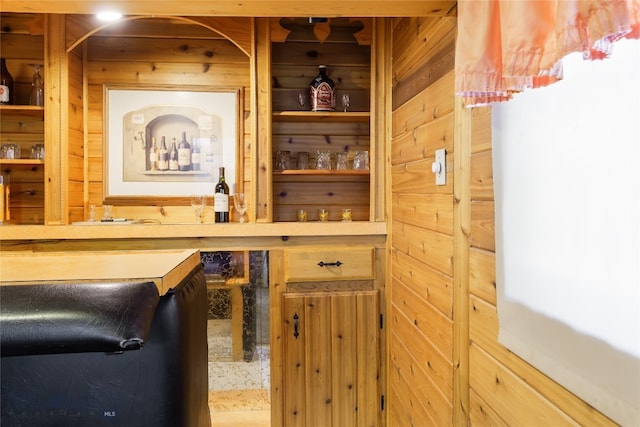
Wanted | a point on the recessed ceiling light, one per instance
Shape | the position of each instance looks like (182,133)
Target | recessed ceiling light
(109,16)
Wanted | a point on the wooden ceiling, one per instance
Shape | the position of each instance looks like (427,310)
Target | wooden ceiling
(246,8)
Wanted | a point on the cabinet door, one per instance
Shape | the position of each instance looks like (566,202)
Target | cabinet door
(331,359)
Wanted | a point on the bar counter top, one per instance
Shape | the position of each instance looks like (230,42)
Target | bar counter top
(166,268)
(149,231)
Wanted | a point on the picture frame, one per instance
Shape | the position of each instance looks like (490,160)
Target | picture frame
(138,119)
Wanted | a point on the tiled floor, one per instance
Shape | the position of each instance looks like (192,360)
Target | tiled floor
(238,391)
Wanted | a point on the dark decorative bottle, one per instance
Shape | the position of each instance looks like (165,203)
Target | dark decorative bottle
(195,155)
(221,199)
(6,84)
(322,92)
(184,154)
(163,156)
(173,156)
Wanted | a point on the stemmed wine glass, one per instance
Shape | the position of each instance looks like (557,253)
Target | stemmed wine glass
(241,204)
(345,101)
(199,202)
(37,87)
(301,100)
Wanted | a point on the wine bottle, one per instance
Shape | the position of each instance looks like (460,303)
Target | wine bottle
(6,84)
(173,156)
(322,92)
(163,156)
(195,155)
(221,199)
(153,155)
(184,154)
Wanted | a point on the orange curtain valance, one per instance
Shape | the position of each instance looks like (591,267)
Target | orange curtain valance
(506,46)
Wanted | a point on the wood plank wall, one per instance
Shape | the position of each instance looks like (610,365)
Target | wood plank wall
(503,389)
(156,52)
(421,290)
(75,142)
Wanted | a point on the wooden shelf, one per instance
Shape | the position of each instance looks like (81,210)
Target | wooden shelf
(322,172)
(21,162)
(34,110)
(320,116)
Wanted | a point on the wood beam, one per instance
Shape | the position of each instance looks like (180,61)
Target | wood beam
(249,8)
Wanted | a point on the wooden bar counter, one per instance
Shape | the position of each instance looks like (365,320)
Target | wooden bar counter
(166,268)
(205,237)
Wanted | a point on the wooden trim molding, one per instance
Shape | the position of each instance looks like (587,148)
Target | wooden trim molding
(250,8)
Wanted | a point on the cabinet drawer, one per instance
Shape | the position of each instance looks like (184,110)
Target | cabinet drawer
(329,264)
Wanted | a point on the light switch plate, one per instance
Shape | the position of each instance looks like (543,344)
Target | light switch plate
(441,174)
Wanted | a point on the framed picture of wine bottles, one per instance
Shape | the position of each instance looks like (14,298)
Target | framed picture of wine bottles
(162,142)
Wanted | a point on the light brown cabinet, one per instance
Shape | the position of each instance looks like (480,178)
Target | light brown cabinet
(327,341)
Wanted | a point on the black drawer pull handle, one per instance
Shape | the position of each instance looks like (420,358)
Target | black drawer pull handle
(330,264)
(296,334)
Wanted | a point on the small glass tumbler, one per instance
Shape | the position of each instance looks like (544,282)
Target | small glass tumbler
(323,159)
(323,215)
(283,158)
(107,212)
(10,151)
(346,215)
(37,151)
(302,215)
(303,160)
(6,151)
(342,160)
(92,213)
(361,160)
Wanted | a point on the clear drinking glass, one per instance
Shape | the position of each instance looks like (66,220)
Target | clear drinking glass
(303,160)
(92,213)
(361,160)
(10,151)
(107,212)
(199,203)
(283,158)
(37,151)
(346,101)
(323,159)
(37,87)
(241,205)
(341,161)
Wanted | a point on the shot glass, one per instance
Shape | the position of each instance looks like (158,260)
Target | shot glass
(346,215)
(323,215)
(302,215)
